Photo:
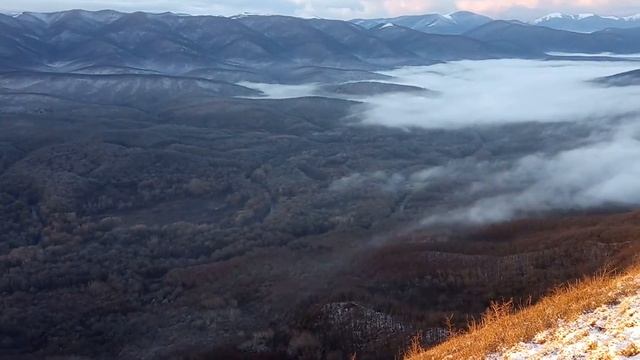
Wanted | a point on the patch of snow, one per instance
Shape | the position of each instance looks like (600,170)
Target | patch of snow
(585,16)
(241,16)
(387,25)
(569,17)
(632,17)
(445,20)
(549,17)
(609,332)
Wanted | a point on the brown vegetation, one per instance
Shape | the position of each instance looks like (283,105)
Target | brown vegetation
(214,228)
(502,325)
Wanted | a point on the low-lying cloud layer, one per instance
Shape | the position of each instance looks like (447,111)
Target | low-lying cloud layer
(505,91)
(279,91)
(605,173)
(601,170)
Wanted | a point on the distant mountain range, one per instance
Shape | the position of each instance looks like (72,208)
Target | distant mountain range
(587,23)
(230,49)
(460,22)
(175,43)
(451,24)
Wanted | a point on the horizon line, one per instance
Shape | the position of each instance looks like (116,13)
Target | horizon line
(443,14)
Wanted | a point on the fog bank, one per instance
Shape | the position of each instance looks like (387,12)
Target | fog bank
(504,91)
(602,171)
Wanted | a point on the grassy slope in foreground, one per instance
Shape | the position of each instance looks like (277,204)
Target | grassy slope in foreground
(500,329)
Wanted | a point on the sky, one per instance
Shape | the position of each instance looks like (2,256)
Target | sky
(339,9)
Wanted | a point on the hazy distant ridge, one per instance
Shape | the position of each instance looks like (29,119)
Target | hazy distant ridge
(173,43)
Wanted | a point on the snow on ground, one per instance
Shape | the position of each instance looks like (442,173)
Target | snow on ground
(608,333)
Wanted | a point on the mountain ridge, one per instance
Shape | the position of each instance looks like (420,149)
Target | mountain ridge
(455,23)
(587,23)
(177,44)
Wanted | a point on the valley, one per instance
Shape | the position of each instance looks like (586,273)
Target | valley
(268,187)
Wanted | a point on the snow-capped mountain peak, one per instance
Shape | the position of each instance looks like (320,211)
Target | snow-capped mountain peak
(584,16)
(454,23)
(556,16)
(549,17)
(587,22)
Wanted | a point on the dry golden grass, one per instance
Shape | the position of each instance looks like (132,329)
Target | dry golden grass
(502,327)
(631,350)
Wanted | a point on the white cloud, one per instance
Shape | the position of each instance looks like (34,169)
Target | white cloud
(378,179)
(280,91)
(602,174)
(528,8)
(602,169)
(504,91)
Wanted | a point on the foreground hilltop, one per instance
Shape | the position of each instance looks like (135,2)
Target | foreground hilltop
(611,331)
(596,319)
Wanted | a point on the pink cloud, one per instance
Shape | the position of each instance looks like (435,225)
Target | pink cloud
(493,6)
(518,8)
(496,7)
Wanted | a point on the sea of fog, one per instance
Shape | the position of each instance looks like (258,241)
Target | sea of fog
(603,170)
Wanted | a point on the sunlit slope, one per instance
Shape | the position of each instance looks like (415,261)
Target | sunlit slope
(597,318)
